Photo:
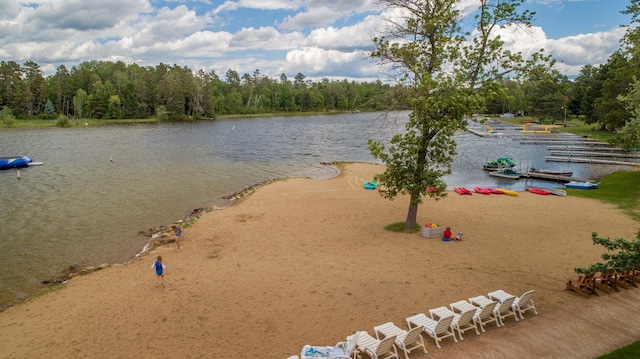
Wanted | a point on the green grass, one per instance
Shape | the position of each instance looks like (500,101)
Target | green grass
(574,125)
(629,352)
(399,228)
(37,123)
(619,188)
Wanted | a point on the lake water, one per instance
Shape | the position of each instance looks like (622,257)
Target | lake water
(81,208)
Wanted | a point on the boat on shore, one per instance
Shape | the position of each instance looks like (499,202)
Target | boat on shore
(14,162)
(553,191)
(482,190)
(462,190)
(509,192)
(506,173)
(539,191)
(581,185)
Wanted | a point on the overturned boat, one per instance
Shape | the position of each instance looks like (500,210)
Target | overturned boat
(16,162)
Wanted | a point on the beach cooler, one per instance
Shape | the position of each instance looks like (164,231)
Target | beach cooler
(432,232)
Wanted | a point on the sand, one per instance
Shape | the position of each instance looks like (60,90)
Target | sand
(308,262)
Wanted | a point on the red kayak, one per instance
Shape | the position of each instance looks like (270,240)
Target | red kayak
(482,190)
(496,191)
(539,191)
(462,190)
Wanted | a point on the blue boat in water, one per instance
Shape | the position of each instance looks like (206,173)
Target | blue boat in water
(15,162)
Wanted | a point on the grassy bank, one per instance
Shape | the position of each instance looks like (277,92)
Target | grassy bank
(39,123)
(574,125)
(619,188)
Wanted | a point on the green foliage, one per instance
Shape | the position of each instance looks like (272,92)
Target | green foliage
(115,90)
(63,121)
(7,118)
(444,78)
(49,109)
(622,255)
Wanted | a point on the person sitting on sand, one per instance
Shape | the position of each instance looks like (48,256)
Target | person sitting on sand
(446,236)
(459,236)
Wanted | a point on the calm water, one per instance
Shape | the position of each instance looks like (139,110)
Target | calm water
(80,208)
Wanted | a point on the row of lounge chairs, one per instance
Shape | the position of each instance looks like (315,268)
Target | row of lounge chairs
(609,281)
(441,323)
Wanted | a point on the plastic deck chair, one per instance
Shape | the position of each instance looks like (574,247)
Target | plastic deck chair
(436,329)
(407,341)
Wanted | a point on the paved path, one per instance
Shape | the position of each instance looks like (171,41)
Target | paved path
(597,326)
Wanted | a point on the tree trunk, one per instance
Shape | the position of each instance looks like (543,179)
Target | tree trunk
(412,214)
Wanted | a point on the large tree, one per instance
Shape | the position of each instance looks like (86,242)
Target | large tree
(629,136)
(447,74)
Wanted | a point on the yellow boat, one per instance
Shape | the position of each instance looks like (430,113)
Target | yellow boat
(508,191)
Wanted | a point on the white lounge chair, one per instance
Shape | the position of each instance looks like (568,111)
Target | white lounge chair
(436,329)
(350,347)
(504,308)
(483,314)
(462,320)
(484,302)
(407,341)
(524,303)
(377,349)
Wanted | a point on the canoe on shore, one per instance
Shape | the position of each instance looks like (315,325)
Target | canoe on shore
(539,191)
(509,192)
(554,191)
(462,190)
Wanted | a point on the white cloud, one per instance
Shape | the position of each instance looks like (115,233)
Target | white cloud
(316,61)
(310,37)
(265,38)
(359,35)
(259,5)
(318,17)
(571,53)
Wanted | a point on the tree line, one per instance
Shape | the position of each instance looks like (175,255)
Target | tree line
(115,90)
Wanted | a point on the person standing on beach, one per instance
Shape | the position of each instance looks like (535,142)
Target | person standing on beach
(178,232)
(159,266)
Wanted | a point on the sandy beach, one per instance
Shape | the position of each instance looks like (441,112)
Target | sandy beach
(308,262)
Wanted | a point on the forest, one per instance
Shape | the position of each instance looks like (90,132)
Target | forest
(115,90)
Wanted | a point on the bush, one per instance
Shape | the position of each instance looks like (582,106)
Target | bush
(7,118)
(63,121)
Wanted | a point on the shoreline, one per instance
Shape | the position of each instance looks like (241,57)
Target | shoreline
(308,262)
(158,236)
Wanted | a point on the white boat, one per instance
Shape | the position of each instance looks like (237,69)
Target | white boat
(506,173)
(581,185)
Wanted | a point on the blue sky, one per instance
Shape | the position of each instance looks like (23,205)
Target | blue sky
(318,38)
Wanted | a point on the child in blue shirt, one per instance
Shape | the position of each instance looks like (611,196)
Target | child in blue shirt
(159,266)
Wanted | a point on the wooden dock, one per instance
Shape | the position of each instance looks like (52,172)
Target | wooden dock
(609,154)
(551,177)
(589,160)
(567,142)
(584,148)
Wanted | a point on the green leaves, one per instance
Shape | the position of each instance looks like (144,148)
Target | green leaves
(443,78)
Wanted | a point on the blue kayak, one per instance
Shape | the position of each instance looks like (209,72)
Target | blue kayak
(14,162)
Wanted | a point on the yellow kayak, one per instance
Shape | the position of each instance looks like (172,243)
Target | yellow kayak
(508,191)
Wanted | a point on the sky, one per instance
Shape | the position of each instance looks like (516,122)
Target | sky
(318,38)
